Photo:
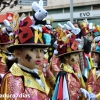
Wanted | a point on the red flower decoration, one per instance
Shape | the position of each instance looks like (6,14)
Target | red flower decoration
(4,38)
(45,30)
(99,44)
(73,37)
(60,42)
(74,46)
(61,49)
(95,30)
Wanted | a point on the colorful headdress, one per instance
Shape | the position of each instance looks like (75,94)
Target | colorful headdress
(84,27)
(96,30)
(97,48)
(87,27)
(66,41)
(28,34)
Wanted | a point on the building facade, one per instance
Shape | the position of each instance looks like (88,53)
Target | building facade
(59,10)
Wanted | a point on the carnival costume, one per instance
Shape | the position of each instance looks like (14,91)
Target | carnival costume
(20,79)
(69,77)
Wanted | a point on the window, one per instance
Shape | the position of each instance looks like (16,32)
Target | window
(29,2)
(95,7)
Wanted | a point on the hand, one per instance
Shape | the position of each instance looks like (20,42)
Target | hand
(92,96)
(85,93)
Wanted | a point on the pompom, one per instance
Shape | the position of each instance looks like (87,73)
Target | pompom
(55,52)
(79,47)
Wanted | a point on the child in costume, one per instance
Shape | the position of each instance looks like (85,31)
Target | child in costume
(86,37)
(93,82)
(24,77)
(81,55)
(25,73)
(70,84)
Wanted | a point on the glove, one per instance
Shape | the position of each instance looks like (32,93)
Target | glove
(92,96)
(85,93)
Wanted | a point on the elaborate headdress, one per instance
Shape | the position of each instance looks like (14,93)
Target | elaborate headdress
(29,34)
(66,40)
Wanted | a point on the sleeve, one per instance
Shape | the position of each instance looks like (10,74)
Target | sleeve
(91,80)
(11,87)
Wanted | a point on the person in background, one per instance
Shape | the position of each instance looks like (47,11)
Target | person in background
(86,41)
(69,81)
(93,81)
(5,41)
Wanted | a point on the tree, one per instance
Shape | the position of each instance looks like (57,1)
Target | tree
(7,3)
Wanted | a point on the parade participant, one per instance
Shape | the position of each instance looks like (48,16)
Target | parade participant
(87,39)
(69,78)
(25,77)
(81,54)
(30,55)
(6,39)
(94,75)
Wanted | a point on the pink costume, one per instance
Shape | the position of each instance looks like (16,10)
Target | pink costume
(23,86)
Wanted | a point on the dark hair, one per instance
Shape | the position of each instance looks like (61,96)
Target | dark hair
(9,63)
(62,58)
(77,24)
(80,34)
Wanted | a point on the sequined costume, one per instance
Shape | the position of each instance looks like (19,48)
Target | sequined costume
(18,82)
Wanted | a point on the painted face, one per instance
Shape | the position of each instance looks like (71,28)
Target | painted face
(73,59)
(96,58)
(31,57)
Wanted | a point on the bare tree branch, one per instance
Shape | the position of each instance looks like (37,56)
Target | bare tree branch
(5,4)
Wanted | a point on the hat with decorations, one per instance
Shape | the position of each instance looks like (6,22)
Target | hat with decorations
(6,33)
(95,29)
(84,27)
(29,34)
(67,42)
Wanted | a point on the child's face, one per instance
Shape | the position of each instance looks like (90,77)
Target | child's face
(96,57)
(31,57)
(73,59)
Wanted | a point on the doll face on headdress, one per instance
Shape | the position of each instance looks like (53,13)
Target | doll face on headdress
(72,59)
(30,57)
